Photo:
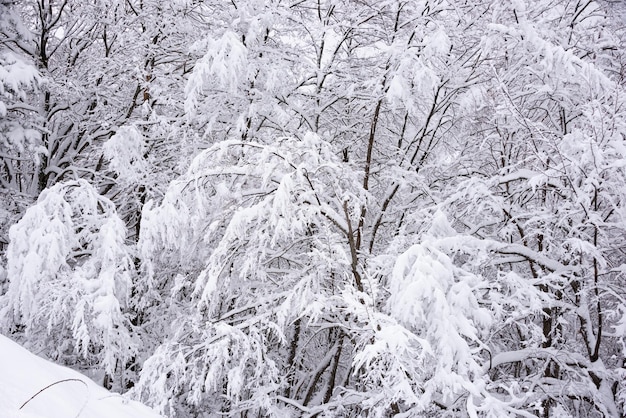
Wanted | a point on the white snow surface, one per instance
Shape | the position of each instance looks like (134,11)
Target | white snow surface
(65,393)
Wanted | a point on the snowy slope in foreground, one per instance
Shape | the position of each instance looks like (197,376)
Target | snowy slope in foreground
(23,374)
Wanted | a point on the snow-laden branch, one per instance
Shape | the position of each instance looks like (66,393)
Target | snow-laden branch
(564,357)
(533,256)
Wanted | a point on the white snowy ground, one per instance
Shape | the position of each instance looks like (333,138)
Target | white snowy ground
(69,394)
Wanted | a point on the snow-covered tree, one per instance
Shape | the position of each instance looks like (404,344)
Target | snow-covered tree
(546,188)
(71,281)
(20,133)
(248,243)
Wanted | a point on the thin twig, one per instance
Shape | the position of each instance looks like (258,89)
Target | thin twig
(56,383)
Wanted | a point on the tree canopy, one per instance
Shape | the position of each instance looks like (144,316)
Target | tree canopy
(320,208)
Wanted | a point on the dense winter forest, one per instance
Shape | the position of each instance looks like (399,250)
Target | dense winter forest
(340,208)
